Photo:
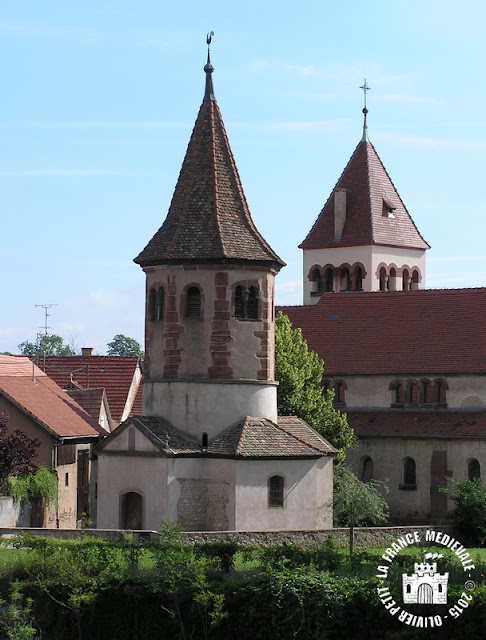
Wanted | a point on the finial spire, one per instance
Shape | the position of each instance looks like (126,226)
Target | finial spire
(208,68)
(365,88)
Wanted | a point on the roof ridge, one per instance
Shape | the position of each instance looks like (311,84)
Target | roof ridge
(301,440)
(244,427)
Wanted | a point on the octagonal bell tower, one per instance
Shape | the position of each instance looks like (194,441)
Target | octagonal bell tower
(209,327)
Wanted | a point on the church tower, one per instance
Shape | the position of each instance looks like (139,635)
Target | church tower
(364,238)
(209,328)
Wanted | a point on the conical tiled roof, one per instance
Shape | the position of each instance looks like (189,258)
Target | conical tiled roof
(208,219)
(369,193)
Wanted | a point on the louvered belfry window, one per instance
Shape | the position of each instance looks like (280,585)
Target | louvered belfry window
(193,309)
(246,303)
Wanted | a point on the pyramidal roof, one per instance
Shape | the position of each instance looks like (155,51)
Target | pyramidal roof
(375,213)
(209,218)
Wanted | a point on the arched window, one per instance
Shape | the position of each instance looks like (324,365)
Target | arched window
(159,308)
(358,274)
(400,394)
(440,388)
(346,284)
(426,391)
(339,393)
(405,280)
(392,280)
(246,303)
(383,280)
(409,473)
(414,393)
(152,304)
(193,303)
(204,440)
(316,277)
(415,279)
(473,469)
(367,473)
(275,491)
(131,511)
(329,280)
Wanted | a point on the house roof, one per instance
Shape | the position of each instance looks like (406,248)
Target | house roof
(208,218)
(368,190)
(418,424)
(92,401)
(371,333)
(116,374)
(249,438)
(37,395)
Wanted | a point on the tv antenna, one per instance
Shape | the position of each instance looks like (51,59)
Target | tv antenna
(46,308)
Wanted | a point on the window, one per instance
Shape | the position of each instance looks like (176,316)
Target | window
(473,469)
(414,393)
(409,474)
(329,280)
(152,304)
(275,491)
(440,388)
(339,393)
(159,307)
(246,303)
(383,280)
(66,479)
(405,280)
(367,473)
(316,277)
(193,303)
(346,284)
(400,394)
(204,440)
(359,278)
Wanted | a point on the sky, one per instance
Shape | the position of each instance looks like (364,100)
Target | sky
(99,100)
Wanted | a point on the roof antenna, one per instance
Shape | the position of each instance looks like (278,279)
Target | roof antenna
(365,88)
(208,68)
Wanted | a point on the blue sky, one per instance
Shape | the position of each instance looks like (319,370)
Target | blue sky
(99,100)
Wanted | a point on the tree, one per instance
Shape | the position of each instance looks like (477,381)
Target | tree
(123,346)
(17,451)
(299,374)
(46,345)
(356,503)
(469,513)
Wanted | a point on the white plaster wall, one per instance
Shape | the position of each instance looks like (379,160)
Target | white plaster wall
(118,474)
(464,392)
(370,256)
(209,406)
(388,455)
(307,495)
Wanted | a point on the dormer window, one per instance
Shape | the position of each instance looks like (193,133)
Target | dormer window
(388,209)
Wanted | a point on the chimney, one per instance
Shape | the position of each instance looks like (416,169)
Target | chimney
(86,351)
(339,212)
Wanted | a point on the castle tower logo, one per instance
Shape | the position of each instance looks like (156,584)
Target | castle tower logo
(426,585)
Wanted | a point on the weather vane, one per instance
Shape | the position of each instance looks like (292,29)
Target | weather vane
(365,88)
(209,37)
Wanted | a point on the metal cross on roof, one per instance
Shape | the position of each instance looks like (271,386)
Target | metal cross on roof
(365,88)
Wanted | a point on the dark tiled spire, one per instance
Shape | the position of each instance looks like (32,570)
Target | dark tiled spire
(208,219)
(369,195)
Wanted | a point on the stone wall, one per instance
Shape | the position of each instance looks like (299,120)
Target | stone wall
(365,537)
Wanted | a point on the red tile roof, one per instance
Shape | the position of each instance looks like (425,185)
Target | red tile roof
(37,395)
(418,424)
(367,186)
(116,374)
(429,331)
(249,438)
(208,218)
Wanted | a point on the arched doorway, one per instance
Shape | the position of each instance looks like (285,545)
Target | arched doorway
(425,594)
(131,511)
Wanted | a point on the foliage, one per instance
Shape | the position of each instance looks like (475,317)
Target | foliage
(34,487)
(123,346)
(299,374)
(46,345)
(469,513)
(356,503)
(224,551)
(15,616)
(17,451)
